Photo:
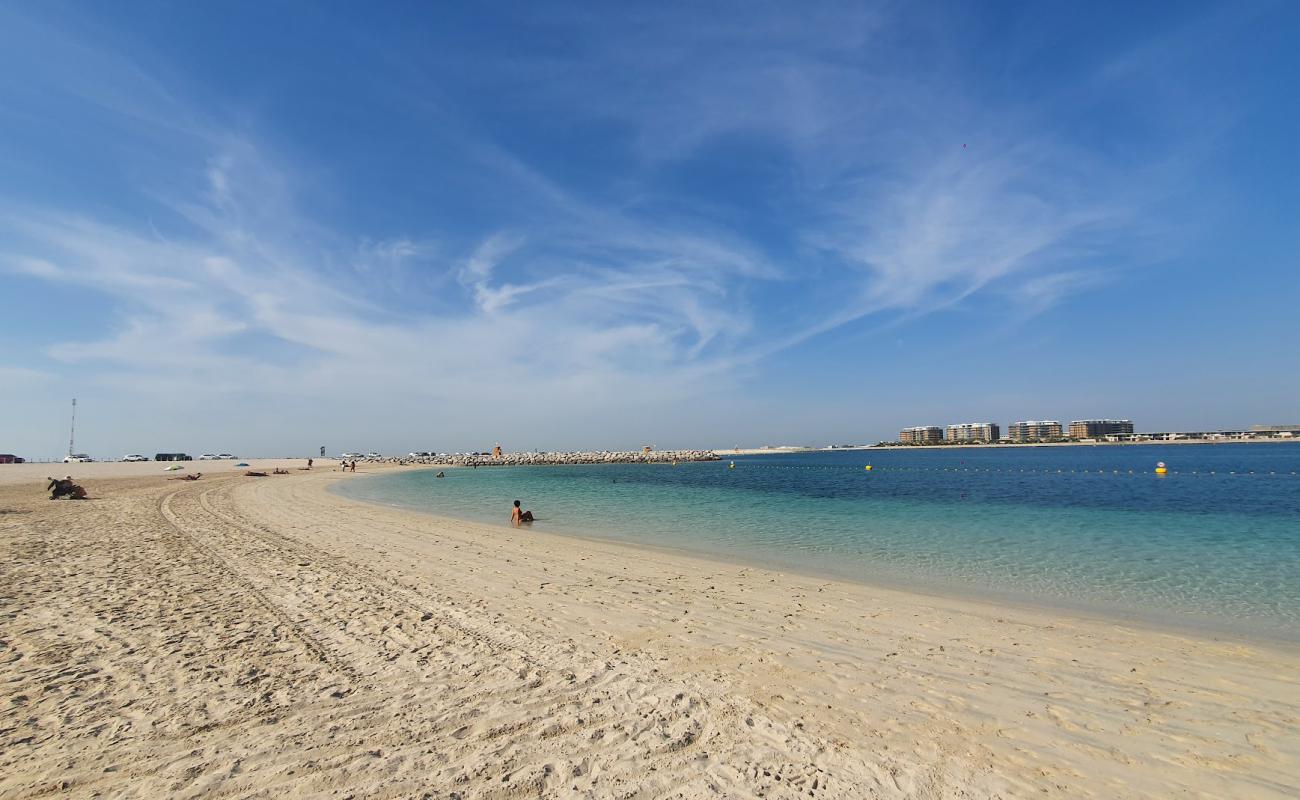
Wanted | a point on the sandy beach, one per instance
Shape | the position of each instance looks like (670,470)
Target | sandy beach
(263,637)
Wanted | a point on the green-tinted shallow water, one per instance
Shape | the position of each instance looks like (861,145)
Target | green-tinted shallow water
(1215,543)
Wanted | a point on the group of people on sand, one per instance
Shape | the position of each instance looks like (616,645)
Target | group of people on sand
(64,487)
(257,473)
(60,488)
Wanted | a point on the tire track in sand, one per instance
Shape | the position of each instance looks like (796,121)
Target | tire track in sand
(296,629)
(374,581)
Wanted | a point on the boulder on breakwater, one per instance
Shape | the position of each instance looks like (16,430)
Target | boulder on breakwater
(538,459)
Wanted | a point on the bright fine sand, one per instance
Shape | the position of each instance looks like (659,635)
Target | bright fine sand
(246,637)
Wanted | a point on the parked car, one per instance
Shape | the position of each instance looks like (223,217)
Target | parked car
(172,457)
(373,455)
(418,454)
(77,458)
(225,456)
(208,457)
(135,457)
(346,456)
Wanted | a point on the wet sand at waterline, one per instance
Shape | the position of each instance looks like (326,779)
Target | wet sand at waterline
(240,636)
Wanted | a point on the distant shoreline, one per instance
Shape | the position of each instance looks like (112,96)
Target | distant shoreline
(1073,444)
(759,451)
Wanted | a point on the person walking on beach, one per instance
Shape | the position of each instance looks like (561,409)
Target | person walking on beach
(518,515)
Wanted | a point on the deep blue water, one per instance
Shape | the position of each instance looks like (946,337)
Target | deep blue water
(1215,543)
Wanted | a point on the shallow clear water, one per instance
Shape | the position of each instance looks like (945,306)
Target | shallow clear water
(1215,543)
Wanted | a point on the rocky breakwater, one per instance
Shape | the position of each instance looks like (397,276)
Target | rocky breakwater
(540,459)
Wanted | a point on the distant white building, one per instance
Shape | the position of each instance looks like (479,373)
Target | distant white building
(974,432)
(1035,430)
(921,434)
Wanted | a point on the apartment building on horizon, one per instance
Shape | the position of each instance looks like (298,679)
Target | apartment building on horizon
(974,432)
(1098,428)
(921,434)
(1035,430)
(1044,430)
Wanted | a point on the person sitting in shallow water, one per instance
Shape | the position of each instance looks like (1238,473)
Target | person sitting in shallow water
(518,515)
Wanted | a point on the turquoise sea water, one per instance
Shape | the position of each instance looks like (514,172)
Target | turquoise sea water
(1215,543)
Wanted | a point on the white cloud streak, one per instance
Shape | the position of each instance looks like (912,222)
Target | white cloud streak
(572,302)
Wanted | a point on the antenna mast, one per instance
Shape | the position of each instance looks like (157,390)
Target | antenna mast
(72,432)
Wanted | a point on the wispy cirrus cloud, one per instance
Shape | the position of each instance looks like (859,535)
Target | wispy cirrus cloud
(905,189)
(688,197)
(203,312)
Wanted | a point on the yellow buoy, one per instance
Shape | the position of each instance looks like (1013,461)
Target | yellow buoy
(1161,469)
(868,468)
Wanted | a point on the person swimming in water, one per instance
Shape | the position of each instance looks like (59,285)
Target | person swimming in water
(518,515)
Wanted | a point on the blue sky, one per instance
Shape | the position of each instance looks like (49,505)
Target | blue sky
(264,227)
